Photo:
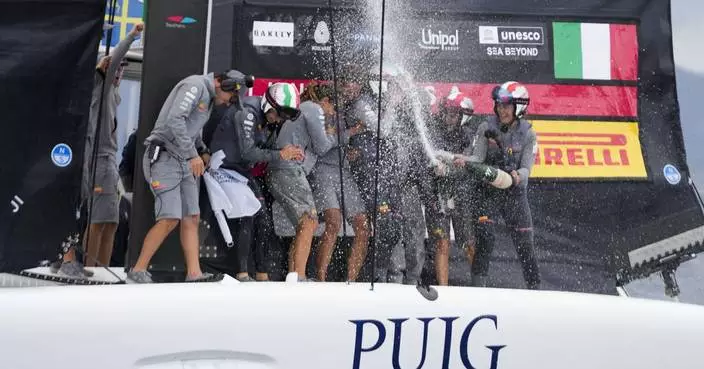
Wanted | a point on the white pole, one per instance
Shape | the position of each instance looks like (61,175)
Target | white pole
(207,37)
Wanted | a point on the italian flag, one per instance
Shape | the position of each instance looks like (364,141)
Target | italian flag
(595,51)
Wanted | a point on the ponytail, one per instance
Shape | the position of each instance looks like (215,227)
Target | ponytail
(316,91)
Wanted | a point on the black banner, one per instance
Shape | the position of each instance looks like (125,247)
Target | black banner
(49,53)
(174,49)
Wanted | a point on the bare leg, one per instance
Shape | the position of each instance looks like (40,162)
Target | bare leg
(107,243)
(470,250)
(156,236)
(302,243)
(442,263)
(189,243)
(333,221)
(93,241)
(359,247)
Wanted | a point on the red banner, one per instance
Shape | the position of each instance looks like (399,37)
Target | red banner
(546,100)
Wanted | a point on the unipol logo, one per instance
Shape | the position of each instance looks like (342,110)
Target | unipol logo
(432,40)
(394,332)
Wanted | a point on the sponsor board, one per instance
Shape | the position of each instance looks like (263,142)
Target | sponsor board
(524,42)
(321,37)
(583,149)
(440,40)
(482,40)
(277,34)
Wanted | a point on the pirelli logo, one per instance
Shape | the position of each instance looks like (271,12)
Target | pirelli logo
(579,149)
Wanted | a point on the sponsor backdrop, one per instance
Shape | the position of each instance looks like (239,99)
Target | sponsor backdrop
(611,174)
(45,96)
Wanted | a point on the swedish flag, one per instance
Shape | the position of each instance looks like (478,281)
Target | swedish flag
(127,14)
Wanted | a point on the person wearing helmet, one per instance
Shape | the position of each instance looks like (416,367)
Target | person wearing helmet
(506,141)
(360,112)
(454,132)
(252,234)
(105,208)
(248,135)
(174,159)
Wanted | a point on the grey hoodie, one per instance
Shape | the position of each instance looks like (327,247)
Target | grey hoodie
(520,139)
(107,145)
(308,132)
(183,115)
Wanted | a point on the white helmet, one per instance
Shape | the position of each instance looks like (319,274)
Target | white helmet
(457,100)
(388,73)
(512,93)
(284,98)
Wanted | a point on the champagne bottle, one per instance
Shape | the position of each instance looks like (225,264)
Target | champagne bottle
(496,177)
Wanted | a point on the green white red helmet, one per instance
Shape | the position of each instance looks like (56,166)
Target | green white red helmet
(284,98)
(512,93)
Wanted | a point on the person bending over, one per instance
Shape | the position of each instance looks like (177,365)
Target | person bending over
(263,120)
(174,160)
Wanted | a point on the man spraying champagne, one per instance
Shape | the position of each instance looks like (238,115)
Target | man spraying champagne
(503,158)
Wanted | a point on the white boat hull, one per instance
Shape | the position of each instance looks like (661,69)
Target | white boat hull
(336,325)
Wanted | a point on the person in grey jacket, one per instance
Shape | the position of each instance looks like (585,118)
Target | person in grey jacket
(327,191)
(256,129)
(288,182)
(100,233)
(174,160)
(454,130)
(360,110)
(235,136)
(508,142)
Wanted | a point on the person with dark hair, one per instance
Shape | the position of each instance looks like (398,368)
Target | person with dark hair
(288,182)
(235,136)
(416,186)
(174,160)
(506,141)
(248,137)
(326,185)
(99,235)
(360,91)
